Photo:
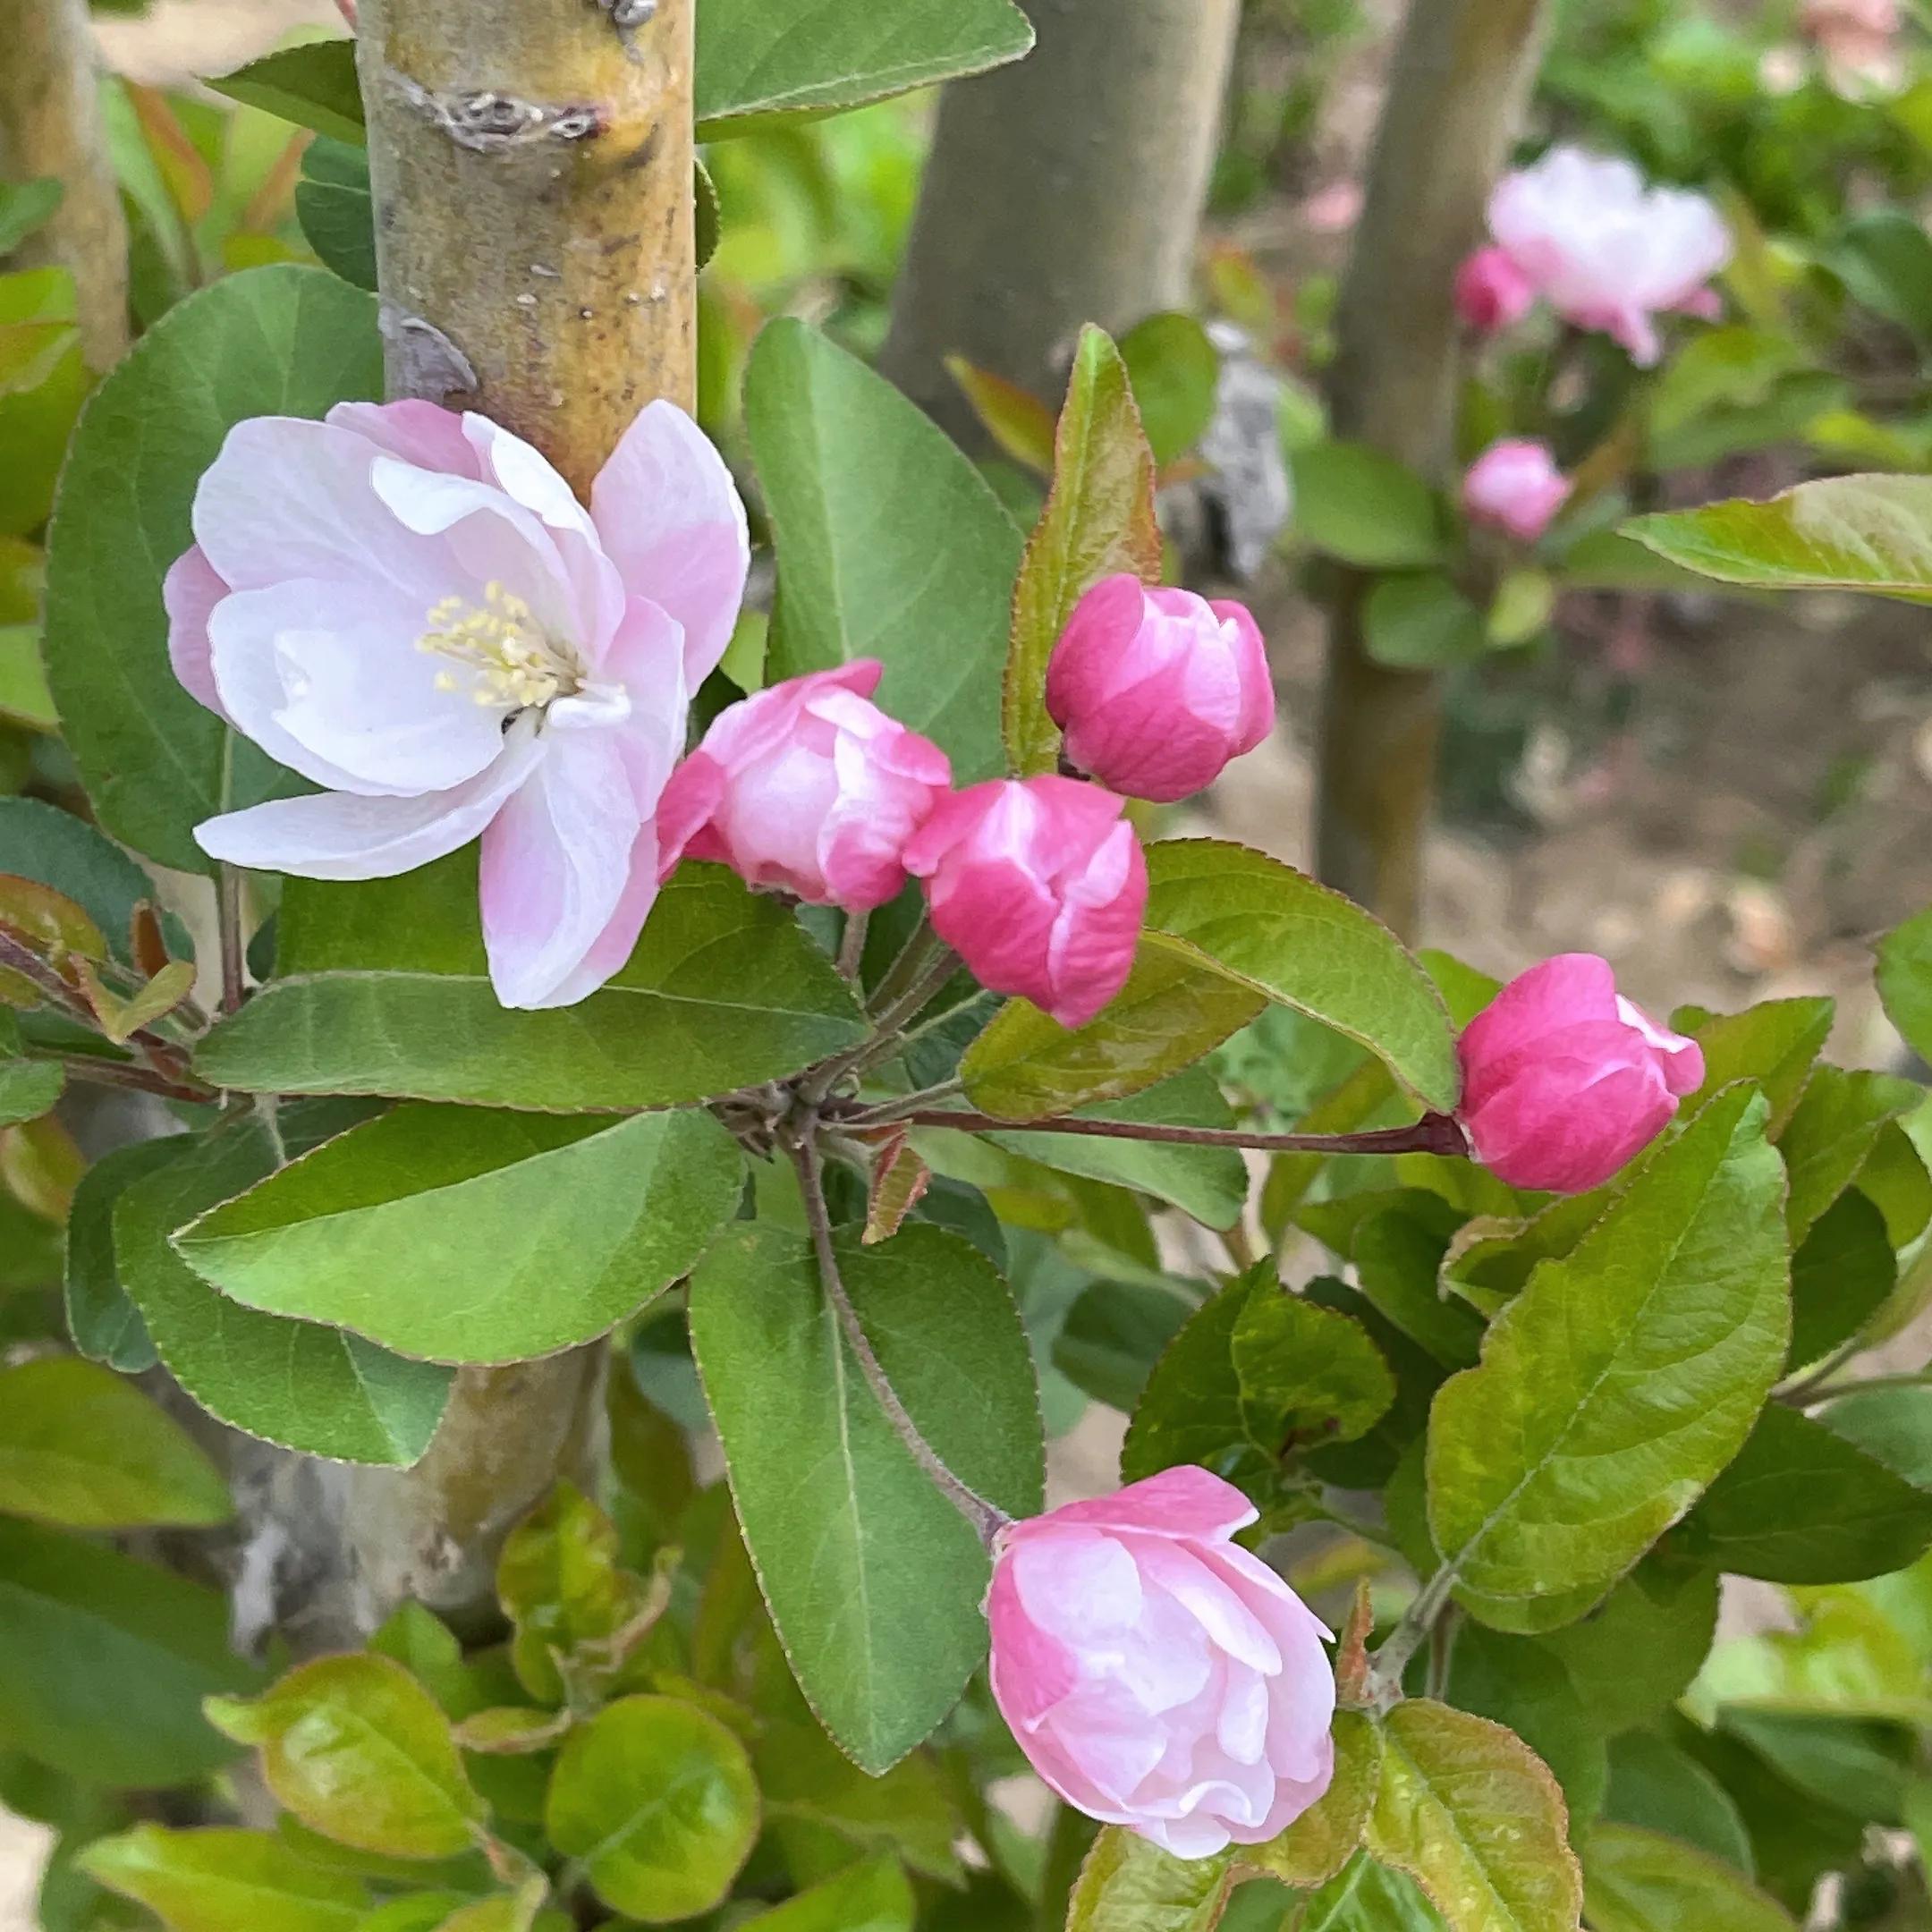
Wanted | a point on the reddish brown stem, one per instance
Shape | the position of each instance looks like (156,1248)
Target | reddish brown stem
(1433,1133)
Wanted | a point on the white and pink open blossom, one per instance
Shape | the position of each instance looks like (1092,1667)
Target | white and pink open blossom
(809,787)
(1156,1674)
(1515,485)
(409,608)
(1604,250)
(1040,885)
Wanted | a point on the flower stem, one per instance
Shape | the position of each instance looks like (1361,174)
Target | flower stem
(851,945)
(888,1023)
(127,1073)
(228,915)
(1434,1133)
(987,1519)
(1417,1627)
(908,967)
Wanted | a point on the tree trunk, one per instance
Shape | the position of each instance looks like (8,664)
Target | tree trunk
(50,125)
(532,164)
(1456,87)
(1063,190)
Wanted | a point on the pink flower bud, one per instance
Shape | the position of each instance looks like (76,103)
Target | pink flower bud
(1157,690)
(1515,486)
(1040,885)
(1859,40)
(1492,293)
(1563,1081)
(1156,1674)
(809,787)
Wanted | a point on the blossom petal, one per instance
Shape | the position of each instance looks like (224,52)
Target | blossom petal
(670,519)
(421,433)
(188,593)
(341,835)
(557,866)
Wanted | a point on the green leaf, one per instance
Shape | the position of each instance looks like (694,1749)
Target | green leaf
(1619,1381)
(762,59)
(1367,1897)
(657,1798)
(39,841)
(1176,1006)
(1831,1135)
(1892,1426)
(313,84)
(1885,258)
(360,1751)
(1521,1685)
(105,1661)
(29,1089)
(1128,1884)
(1470,1812)
(1775,1043)
(81,1448)
(284,341)
(571,1600)
(1279,933)
(1098,522)
(1365,508)
(891,545)
(1638,1652)
(1846,533)
(1308,1376)
(305,1386)
(26,207)
(333,205)
(1640,1881)
(1191,1409)
(1114,1335)
(219,1880)
(724,989)
(1420,621)
(874,1581)
(104,1323)
(1801,1505)
(1905,980)
(1842,1275)
(1209,1183)
(871,1897)
(1176,372)
(1329,1832)
(1656,1785)
(462,1235)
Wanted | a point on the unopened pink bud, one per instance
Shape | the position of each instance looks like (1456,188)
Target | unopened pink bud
(1492,293)
(1157,690)
(1515,486)
(808,787)
(1156,1674)
(1563,1081)
(1039,885)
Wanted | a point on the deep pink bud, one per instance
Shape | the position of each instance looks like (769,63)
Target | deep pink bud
(1157,690)
(807,786)
(1492,293)
(1563,1081)
(1156,1674)
(1039,886)
(1516,487)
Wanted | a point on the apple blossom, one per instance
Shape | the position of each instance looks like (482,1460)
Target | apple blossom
(1039,885)
(1156,690)
(1605,251)
(807,786)
(1564,1079)
(1515,485)
(410,609)
(1858,40)
(1158,1675)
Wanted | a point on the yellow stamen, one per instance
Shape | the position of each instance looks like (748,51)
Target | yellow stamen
(516,663)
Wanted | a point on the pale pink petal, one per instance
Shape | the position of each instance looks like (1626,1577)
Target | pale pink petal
(420,433)
(556,868)
(1188,1501)
(670,519)
(1032,1670)
(340,835)
(188,593)
(328,679)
